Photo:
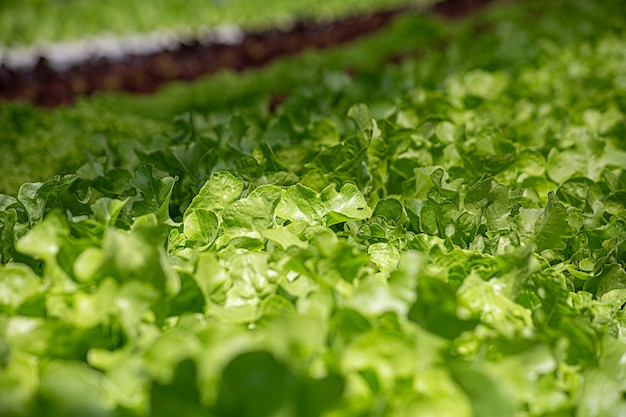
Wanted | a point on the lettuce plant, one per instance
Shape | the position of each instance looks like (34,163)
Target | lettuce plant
(410,242)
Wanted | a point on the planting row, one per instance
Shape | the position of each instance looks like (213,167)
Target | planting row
(339,234)
(32,22)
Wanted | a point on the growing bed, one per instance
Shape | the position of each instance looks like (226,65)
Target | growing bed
(430,220)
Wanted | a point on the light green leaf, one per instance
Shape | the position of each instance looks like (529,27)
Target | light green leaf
(43,241)
(600,396)
(88,263)
(388,355)
(19,381)
(446,131)
(439,395)
(563,165)
(106,210)
(300,203)
(218,192)
(345,205)
(212,278)
(487,85)
(132,302)
(489,398)
(256,212)
(73,388)
(90,310)
(284,238)
(488,301)
(17,283)
(200,227)
(385,256)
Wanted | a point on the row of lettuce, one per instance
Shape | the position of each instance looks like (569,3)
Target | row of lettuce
(341,76)
(40,21)
(445,236)
(60,137)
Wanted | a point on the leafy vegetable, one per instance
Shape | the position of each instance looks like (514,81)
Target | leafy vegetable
(443,236)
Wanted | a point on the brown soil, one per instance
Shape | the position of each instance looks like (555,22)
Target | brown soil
(144,74)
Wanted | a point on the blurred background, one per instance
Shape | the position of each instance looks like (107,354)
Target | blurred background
(52,51)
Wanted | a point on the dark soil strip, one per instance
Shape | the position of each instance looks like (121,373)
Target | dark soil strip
(144,74)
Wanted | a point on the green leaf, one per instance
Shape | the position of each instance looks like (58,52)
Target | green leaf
(345,205)
(314,396)
(388,355)
(107,210)
(39,196)
(551,228)
(390,209)
(156,193)
(436,309)
(7,201)
(72,388)
(217,193)
(17,283)
(88,264)
(489,397)
(238,127)
(92,309)
(565,165)
(446,131)
(19,382)
(361,116)
(284,238)
(600,396)
(477,197)
(486,85)
(135,255)
(256,212)
(254,384)
(43,241)
(611,278)
(191,158)
(200,227)
(300,203)
(180,397)
(8,219)
(211,278)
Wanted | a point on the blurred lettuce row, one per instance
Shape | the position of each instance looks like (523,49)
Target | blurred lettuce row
(37,22)
(509,70)
(288,301)
(64,138)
